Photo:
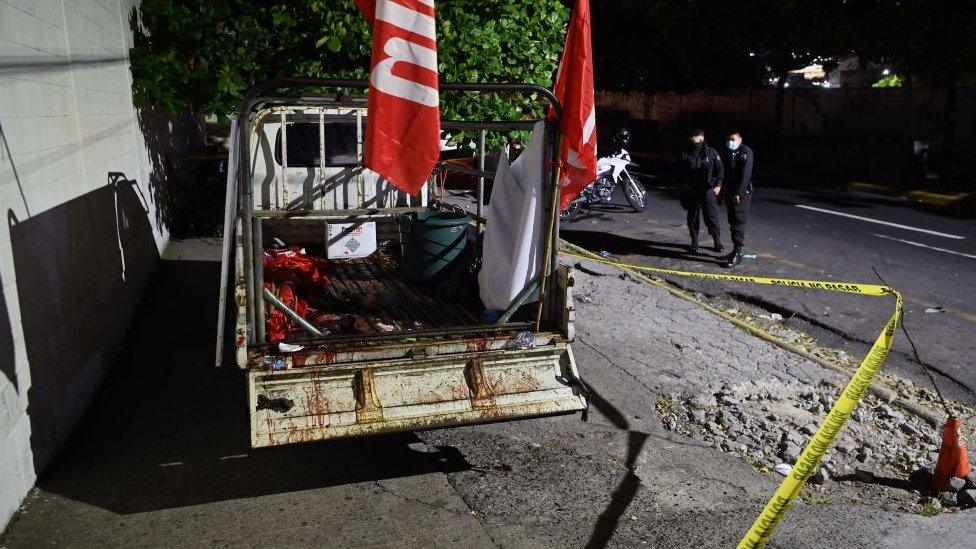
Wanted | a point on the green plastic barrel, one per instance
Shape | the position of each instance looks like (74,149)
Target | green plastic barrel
(433,242)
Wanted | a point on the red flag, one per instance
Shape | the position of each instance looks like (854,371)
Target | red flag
(403,125)
(574,89)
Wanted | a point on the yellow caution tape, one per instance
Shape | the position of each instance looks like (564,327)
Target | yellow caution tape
(826,285)
(809,459)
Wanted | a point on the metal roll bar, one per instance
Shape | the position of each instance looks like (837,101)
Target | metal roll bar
(259,93)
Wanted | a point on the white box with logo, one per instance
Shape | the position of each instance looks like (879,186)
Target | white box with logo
(350,240)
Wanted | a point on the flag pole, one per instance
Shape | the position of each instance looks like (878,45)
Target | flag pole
(553,214)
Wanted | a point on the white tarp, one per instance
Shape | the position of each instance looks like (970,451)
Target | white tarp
(513,247)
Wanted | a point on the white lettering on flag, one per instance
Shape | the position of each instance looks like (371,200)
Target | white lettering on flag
(400,50)
(407,19)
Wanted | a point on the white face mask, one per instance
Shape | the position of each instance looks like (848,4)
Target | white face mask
(733,144)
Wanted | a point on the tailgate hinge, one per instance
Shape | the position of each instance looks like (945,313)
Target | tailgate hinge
(368,408)
(482,395)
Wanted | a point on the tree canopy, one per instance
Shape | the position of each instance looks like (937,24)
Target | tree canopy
(727,44)
(202,55)
(931,43)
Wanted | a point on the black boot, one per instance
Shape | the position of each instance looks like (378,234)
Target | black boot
(719,248)
(693,248)
(733,258)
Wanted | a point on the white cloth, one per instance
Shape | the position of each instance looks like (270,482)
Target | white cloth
(513,247)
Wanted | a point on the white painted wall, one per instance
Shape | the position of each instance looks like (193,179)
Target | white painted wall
(67,119)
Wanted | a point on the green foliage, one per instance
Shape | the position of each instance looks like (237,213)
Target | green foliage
(202,55)
(890,81)
(931,508)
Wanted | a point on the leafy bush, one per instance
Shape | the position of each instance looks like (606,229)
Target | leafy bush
(202,55)
(890,81)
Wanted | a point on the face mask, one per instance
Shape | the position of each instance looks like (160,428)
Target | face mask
(733,144)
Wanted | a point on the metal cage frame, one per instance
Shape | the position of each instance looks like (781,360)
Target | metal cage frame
(262,96)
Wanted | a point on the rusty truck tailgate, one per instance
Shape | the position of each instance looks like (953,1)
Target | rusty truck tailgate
(413,391)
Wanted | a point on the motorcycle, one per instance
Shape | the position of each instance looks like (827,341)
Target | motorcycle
(611,172)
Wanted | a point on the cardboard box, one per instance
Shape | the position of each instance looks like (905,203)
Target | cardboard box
(350,240)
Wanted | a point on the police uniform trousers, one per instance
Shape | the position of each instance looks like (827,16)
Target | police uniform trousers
(702,202)
(738,214)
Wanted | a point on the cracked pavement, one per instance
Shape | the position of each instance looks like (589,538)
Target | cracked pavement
(827,235)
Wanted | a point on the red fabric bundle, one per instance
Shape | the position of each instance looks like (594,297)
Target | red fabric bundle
(294,265)
(287,270)
(277,323)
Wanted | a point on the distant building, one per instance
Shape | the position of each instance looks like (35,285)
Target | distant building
(852,73)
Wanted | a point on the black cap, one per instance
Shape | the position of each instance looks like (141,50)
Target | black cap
(696,132)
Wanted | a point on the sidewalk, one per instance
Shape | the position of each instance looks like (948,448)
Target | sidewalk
(161,458)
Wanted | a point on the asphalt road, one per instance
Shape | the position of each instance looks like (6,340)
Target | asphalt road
(821,234)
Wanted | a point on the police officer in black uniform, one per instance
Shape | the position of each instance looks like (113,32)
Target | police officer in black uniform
(737,193)
(702,173)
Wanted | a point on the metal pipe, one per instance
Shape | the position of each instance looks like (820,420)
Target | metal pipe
(480,330)
(302,323)
(481,175)
(334,214)
(549,256)
(254,93)
(489,125)
(519,300)
(227,270)
(247,215)
(321,166)
(360,177)
(258,268)
(285,195)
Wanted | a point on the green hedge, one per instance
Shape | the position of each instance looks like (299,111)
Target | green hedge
(202,55)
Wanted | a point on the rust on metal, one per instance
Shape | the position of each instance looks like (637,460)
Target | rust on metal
(368,407)
(482,393)
(475,345)
(526,383)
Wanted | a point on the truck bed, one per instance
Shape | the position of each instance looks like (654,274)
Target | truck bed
(368,350)
(390,301)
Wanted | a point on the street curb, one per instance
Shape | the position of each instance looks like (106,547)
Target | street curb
(874,188)
(951,203)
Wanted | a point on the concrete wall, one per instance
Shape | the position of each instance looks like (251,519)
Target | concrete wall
(903,113)
(84,197)
(853,132)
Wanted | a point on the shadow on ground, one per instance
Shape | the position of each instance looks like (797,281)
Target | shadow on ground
(169,430)
(8,362)
(626,491)
(81,269)
(622,245)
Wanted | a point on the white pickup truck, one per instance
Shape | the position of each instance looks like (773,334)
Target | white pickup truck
(416,357)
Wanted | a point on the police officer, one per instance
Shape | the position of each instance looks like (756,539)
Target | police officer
(621,140)
(737,193)
(702,173)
